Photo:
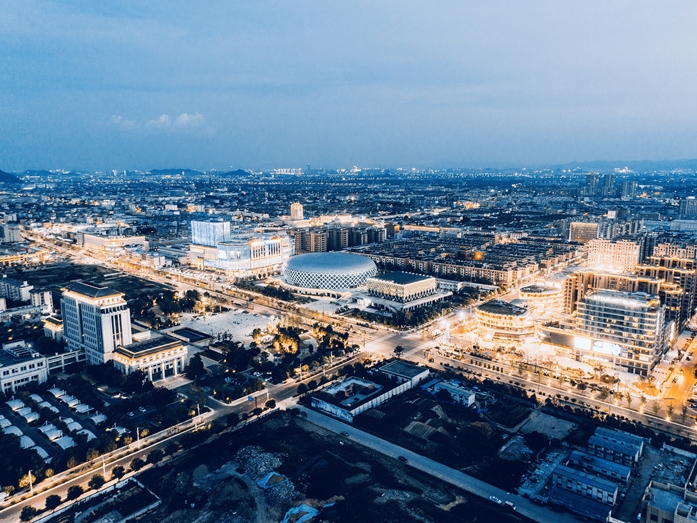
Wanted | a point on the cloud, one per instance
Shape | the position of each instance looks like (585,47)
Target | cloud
(185,120)
(120,121)
(163,122)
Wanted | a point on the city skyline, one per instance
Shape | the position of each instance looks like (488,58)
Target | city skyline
(258,86)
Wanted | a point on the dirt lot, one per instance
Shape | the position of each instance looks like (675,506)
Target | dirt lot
(219,481)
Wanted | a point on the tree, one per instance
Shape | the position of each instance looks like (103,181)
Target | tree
(118,472)
(53,501)
(257,411)
(26,480)
(195,370)
(28,513)
(302,388)
(683,413)
(271,404)
(155,456)
(671,410)
(312,384)
(75,492)
(655,407)
(232,419)
(96,482)
(137,464)
(628,398)
(398,351)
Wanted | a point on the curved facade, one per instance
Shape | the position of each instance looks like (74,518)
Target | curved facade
(328,270)
(500,320)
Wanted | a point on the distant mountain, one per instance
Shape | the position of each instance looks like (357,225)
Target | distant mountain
(236,172)
(40,172)
(174,172)
(8,178)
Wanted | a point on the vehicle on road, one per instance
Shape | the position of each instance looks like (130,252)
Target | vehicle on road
(510,505)
(131,414)
(402,459)
(344,433)
(496,500)
(142,409)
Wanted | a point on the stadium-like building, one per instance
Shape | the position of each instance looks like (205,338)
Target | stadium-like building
(328,271)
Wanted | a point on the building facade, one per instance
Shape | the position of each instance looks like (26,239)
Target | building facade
(19,366)
(624,330)
(96,320)
(158,358)
(606,255)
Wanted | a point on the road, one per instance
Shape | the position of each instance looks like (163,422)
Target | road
(438,470)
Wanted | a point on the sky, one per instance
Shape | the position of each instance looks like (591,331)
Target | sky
(262,84)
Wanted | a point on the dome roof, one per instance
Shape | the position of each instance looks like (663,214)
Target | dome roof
(330,263)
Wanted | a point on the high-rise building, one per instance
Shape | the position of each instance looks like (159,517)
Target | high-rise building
(679,271)
(582,231)
(608,188)
(605,255)
(628,189)
(688,209)
(209,233)
(591,188)
(9,233)
(624,330)
(96,320)
(296,211)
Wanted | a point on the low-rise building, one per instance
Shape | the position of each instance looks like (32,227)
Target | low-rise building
(588,485)
(20,365)
(405,372)
(158,358)
(14,289)
(604,467)
(616,445)
(668,504)
(500,320)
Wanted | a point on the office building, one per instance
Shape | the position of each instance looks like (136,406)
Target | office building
(96,320)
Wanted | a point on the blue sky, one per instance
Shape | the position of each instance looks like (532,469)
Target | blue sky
(252,84)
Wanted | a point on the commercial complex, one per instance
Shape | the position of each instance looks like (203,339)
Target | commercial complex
(240,255)
(500,320)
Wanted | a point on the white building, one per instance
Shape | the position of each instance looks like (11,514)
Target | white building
(19,366)
(623,329)
(296,211)
(15,289)
(240,255)
(158,358)
(96,320)
(606,255)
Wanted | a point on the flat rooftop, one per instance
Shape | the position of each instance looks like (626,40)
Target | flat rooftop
(151,346)
(402,278)
(403,368)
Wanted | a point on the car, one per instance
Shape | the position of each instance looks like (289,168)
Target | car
(402,459)
(496,500)
(131,414)
(142,409)
(344,433)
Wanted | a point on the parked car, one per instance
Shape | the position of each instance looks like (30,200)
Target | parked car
(496,500)
(402,459)
(131,414)
(142,409)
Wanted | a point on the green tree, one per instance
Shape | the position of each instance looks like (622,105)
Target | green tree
(398,351)
(118,472)
(75,492)
(195,370)
(26,480)
(28,513)
(137,464)
(271,404)
(155,456)
(53,501)
(302,388)
(96,482)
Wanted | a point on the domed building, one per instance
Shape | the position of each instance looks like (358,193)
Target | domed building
(327,271)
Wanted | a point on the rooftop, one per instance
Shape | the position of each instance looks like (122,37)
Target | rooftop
(503,308)
(92,291)
(401,278)
(403,368)
(151,346)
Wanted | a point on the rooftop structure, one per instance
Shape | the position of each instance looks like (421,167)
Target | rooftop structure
(501,320)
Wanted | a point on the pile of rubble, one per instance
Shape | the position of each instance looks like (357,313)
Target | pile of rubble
(256,462)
